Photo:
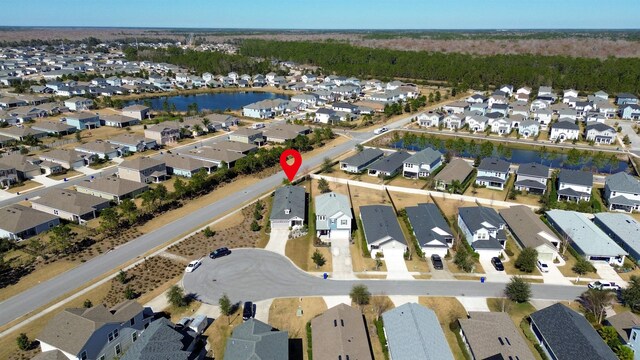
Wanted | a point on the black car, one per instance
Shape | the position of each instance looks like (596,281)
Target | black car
(437,262)
(247,310)
(495,261)
(223,251)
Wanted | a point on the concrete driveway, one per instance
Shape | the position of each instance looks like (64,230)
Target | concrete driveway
(493,275)
(278,240)
(554,276)
(474,303)
(608,273)
(341,258)
(44,180)
(396,267)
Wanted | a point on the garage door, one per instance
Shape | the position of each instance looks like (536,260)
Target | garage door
(546,256)
(396,267)
(280,224)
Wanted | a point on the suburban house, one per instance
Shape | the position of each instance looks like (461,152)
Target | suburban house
(430,229)
(78,103)
(324,115)
(333,216)
(574,185)
(430,119)
(382,231)
(532,178)
(112,188)
(623,229)
(530,232)
(19,222)
(132,143)
(139,112)
(630,112)
(234,146)
(422,163)
(96,332)
(493,173)
(483,229)
(99,148)
(413,332)
(564,130)
(254,340)
(164,340)
(54,128)
(566,334)
(264,109)
(627,325)
(543,117)
(622,192)
(289,208)
(247,136)
(280,133)
(454,121)
(477,123)
(600,133)
(626,99)
(457,107)
(217,156)
(358,163)
(143,170)
(20,133)
(163,133)
(69,159)
(501,126)
(493,335)
(69,204)
(185,166)
(119,121)
(340,333)
(456,170)
(585,237)
(25,166)
(388,166)
(83,120)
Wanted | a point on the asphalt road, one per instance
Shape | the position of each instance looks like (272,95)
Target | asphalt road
(43,293)
(256,274)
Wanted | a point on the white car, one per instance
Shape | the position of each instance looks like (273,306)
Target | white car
(193,265)
(604,285)
(543,266)
(380,130)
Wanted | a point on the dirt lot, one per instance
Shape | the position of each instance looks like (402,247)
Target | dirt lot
(450,207)
(486,193)
(448,310)
(403,200)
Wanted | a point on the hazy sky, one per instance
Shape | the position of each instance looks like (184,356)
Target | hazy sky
(327,14)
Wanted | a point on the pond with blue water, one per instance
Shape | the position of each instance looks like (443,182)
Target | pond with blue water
(210,101)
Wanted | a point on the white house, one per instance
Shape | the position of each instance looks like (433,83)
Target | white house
(483,229)
(543,117)
(78,103)
(493,173)
(600,133)
(574,185)
(430,119)
(453,121)
(501,126)
(477,123)
(422,164)
(564,130)
(529,128)
(382,232)
(622,192)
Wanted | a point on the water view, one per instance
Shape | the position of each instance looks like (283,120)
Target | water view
(210,101)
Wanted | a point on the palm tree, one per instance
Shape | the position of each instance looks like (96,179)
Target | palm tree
(596,302)
(197,129)
(205,123)
(455,187)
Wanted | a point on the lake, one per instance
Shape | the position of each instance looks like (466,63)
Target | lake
(211,101)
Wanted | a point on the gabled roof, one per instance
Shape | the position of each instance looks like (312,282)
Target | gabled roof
(569,334)
(135,107)
(330,204)
(255,340)
(494,334)
(456,169)
(623,182)
(53,126)
(413,332)
(425,156)
(599,127)
(112,185)
(340,331)
(161,340)
(292,198)
(623,323)
(575,177)
(428,225)
(141,163)
(584,234)
(70,201)
(97,146)
(390,163)
(527,227)
(17,218)
(624,228)
(363,157)
(533,169)
(565,125)
(380,223)
(494,165)
(480,217)
(177,161)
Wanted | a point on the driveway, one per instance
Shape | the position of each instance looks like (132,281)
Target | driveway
(493,275)
(607,273)
(87,170)
(6,195)
(474,303)
(44,180)
(554,276)
(341,258)
(396,267)
(278,240)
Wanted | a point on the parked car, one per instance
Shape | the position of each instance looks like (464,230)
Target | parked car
(542,266)
(604,285)
(437,262)
(247,310)
(257,126)
(223,251)
(193,265)
(497,263)
(380,130)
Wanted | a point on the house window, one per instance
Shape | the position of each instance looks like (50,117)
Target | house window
(110,337)
(83,356)
(134,336)
(118,349)
(322,217)
(343,222)
(102,357)
(115,333)
(132,321)
(634,335)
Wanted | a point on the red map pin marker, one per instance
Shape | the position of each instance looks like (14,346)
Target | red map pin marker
(290,169)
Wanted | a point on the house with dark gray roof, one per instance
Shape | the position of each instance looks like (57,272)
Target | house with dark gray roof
(182,165)
(255,340)
(112,188)
(19,222)
(600,133)
(493,335)
(430,229)
(164,340)
(574,185)
(565,334)
(493,173)
(413,332)
(626,99)
(483,229)
(622,192)
(289,207)
(388,166)
(422,163)
(54,127)
(530,232)
(456,170)
(358,163)
(564,130)
(627,325)
(343,329)
(382,230)
(532,178)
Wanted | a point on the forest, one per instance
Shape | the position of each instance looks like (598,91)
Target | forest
(461,70)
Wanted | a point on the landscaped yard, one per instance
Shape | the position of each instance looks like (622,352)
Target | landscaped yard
(509,265)
(69,174)
(568,273)
(448,310)
(26,185)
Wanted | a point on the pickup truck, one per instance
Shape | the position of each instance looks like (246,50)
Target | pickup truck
(604,286)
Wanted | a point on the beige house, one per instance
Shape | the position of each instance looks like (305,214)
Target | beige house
(69,159)
(8,175)
(139,112)
(112,188)
(344,329)
(143,170)
(247,136)
(69,204)
(19,222)
(164,133)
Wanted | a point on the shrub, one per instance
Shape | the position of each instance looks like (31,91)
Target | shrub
(255,226)
(208,232)
(87,304)
(518,290)
(23,342)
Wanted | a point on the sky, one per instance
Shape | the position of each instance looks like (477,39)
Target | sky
(327,14)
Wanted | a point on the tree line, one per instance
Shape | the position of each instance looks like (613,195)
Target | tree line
(461,70)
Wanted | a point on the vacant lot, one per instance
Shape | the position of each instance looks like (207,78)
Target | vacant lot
(283,315)
(403,200)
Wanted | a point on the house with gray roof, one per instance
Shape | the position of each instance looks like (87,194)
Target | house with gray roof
(164,340)
(19,222)
(289,208)
(265,109)
(382,231)
(388,166)
(623,229)
(600,133)
(54,127)
(585,237)
(216,155)
(117,120)
(99,148)
(626,99)
(143,170)
(186,166)
(493,173)
(333,216)
(456,170)
(83,120)
(358,163)
(26,166)
(97,332)
(413,332)
(422,163)
(565,334)
(112,188)
(69,159)
(530,232)
(564,130)
(280,133)
(20,133)
(630,112)
(136,111)
(622,192)
(627,325)
(430,229)
(132,143)
(493,335)
(247,136)
(532,178)
(255,340)
(343,328)
(574,185)
(483,229)
(69,204)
